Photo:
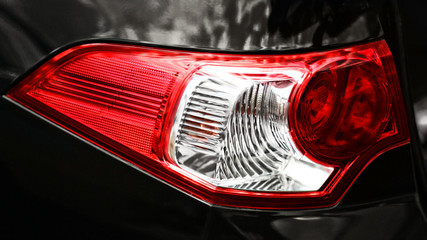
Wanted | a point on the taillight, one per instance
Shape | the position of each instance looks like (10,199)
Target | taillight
(253,131)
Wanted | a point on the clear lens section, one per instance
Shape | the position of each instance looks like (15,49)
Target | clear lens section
(231,129)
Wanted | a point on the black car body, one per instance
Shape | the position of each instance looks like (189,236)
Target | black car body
(55,184)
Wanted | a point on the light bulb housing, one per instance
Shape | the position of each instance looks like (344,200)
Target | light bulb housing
(250,130)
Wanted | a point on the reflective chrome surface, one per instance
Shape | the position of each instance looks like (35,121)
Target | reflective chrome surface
(231,129)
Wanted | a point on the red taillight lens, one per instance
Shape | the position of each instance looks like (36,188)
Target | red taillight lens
(342,111)
(257,131)
(113,97)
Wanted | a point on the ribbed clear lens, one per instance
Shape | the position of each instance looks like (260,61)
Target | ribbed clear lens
(231,129)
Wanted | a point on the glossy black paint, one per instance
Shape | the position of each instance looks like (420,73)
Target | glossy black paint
(87,180)
(55,184)
(30,30)
(394,220)
(414,41)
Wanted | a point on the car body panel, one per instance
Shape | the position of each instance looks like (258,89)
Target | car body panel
(56,184)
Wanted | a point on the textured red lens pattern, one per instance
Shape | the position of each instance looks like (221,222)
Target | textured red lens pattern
(119,97)
(123,99)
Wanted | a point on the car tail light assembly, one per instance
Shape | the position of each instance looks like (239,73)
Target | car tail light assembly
(264,130)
